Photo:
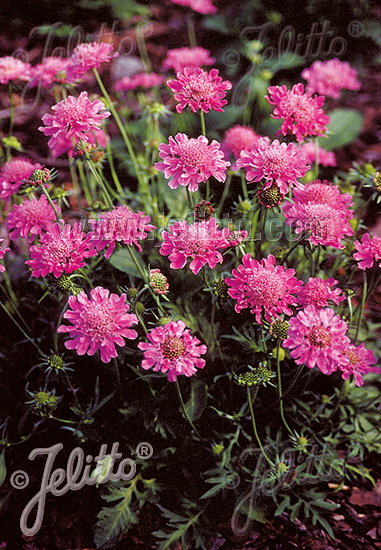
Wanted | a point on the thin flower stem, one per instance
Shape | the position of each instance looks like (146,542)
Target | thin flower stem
(212,323)
(184,409)
(224,195)
(364,292)
(51,204)
(244,186)
(316,167)
(140,40)
(203,129)
(254,222)
(292,249)
(191,31)
(89,196)
(190,200)
(62,419)
(22,330)
(360,218)
(96,175)
(73,392)
(254,423)
(280,388)
(11,123)
(112,165)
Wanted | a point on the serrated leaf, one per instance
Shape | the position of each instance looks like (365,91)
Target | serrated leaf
(196,403)
(121,259)
(345,126)
(282,506)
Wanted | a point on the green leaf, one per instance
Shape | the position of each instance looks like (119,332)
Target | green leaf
(217,121)
(282,506)
(3,468)
(196,403)
(345,126)
(121,259)
(216,23)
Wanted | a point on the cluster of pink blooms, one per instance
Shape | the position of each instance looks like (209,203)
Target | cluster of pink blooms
(275,163)
(190,161)
(98,323)
(31,217)
(302,112)
(51,71)
(325,158)
(199,89)
(368,251)
(3,251)
(200,241)
(89,56)
(317,292)
(320,212)
(329,77)
(180,58)
(119,225)
(201,6)
(237,139)
(263,287)
(12,68)
(13,173)
(140,80)
(60,250)
(171,349)
(74,118)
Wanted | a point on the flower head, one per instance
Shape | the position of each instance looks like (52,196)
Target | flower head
(119,225)
(63,144)
(325,158)
(323,192)
(317,337)
(75,117)
(190,161)
(98,323)
(61,250)
(200,241)
(329,77)
(12,174)
(200,90)
(274,162)
(158,281)
(302,113)
(12,68)
(360,363)
(263,287)
(193,58)
(236,237)
(30,218)
(51,71)
(317,292)
(89,56)
(140,80)
(368,251)
(171,349)
(201,6)
(2,254)
(237,139)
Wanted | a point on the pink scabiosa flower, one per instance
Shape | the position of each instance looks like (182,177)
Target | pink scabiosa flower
(263,287)
(51,71)
(158,281)
(172,350)
(30,218)
(236,237)
(368,251)
(201,6)
(360,363)
(74,117)
(12,174)
(237,139)
(63,144)
(180,58)
(325,158)
(200,90)
(302,113)
(61,250)
(140,80)
(119,225)
(274,162)
(317,292)
(3,251)
(323,192)
(200,241)
(329,77)
(89,56)
(12,68)
(317,337)
(190,161)
(98,323)
(321,223)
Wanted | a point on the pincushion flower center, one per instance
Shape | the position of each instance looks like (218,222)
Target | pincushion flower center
(274,163)
(265,287)
(319,336)
(193,154)
(173,347)
(97,321)
(352,356)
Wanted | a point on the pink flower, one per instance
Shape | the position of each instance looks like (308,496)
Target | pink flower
(63,144)
(180,58)
(274,162)
(317,292)
(236,237)
(329,77)
(30,218)
(12,68)
(322,224)
(201,6)
(2,254)
(140,80)
(158,281)
(74,117)
(199,241)
(61,250)
(368,251)
(191,161)
(171,349)
(326,158)
(200,90)
(263,287)
(301,112)
(317,337)
(322,192)
(237,139)
(50,71)
(89,56)
(13,172)
(119,225)
(98,323)
(360,361)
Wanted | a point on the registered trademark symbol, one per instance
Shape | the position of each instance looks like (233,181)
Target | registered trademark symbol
(355,29)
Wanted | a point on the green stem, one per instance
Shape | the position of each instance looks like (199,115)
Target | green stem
(191,31)
(360,218)
(22,330)
(184,409)
(316,168)
(280,388)
(364,292)
(97,177)
(62,419)
(244,186)
(203,129)
(51,203)
(112,165)
(143,49)
(254,222)
(224,195)
(292,249)
(254,423)
(89,196)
